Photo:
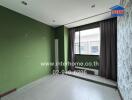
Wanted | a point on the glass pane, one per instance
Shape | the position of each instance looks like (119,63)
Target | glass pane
(90,41)
(76,44)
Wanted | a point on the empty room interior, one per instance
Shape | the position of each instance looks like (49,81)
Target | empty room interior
(65,49)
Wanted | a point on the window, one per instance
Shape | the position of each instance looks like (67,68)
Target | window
(87,42)
(76,43)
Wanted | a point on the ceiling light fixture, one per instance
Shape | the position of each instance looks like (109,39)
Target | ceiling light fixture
(93,6)
(53,21)
(24,3)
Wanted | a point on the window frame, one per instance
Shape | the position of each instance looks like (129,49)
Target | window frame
(97,26)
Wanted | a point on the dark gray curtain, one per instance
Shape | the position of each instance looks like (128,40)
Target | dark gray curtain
(108,52)
(71,48)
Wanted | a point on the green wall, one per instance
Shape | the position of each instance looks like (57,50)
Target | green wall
(66,35)
(24,45)
(61,33)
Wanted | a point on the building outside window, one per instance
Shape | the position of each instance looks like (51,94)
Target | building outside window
(87,42)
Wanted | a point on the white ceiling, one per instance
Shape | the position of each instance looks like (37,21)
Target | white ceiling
(62,11)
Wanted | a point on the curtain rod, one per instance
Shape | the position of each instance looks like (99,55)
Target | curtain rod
(87,17)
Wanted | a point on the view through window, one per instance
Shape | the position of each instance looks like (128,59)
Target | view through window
(87,42)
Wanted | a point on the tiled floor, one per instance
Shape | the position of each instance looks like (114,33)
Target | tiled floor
(63,87)
(94,78)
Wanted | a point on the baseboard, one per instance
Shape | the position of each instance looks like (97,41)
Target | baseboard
(7,93)
(120,94)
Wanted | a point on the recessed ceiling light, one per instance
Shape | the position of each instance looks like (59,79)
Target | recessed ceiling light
(24,2)
(93,6)
(53,21)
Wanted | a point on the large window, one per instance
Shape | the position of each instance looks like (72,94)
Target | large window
(87,42)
